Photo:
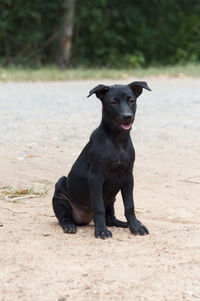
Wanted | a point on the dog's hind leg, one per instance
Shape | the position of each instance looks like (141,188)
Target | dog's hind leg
(111,220)
(62,207)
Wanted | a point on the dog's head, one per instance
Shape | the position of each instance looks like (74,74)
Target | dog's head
(119,103)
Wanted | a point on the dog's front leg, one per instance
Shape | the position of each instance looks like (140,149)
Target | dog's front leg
(134,224)
(95,182)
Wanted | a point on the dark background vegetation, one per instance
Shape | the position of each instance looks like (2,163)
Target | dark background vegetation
(130,33)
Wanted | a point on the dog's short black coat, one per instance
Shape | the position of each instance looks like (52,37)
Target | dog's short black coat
(103,168)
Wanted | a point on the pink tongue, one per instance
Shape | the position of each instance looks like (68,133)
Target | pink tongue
(126,126)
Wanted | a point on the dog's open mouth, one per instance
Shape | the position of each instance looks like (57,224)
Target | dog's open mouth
(126,126)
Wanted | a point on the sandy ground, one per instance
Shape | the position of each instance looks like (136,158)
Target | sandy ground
(43,127)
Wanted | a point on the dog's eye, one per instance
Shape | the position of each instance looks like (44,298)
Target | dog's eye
(131,101)
(114,102)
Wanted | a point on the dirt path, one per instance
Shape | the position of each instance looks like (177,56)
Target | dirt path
(43,127)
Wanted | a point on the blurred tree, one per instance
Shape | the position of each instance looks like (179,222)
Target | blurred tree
(66,34)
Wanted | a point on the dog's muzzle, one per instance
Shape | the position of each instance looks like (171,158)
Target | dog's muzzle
(127,120)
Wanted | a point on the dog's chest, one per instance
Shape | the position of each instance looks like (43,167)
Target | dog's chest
(116,174)
(120,163)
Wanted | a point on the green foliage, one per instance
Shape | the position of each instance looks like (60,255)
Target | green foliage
(136,33)
(107,33)
(24,28)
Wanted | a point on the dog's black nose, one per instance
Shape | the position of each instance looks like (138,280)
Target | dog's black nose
(126,116)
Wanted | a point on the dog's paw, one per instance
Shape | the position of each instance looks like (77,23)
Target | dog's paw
(69,228)
(103,234)
(137,228)
(117,223)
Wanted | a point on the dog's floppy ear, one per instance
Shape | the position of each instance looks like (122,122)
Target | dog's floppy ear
(137,87)
(99,90)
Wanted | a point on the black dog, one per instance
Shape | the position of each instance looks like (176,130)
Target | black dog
(103,168)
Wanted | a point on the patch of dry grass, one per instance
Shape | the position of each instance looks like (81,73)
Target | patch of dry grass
(12,194)
(52,73)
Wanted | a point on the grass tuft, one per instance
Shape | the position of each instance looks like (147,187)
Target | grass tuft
(12,194)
